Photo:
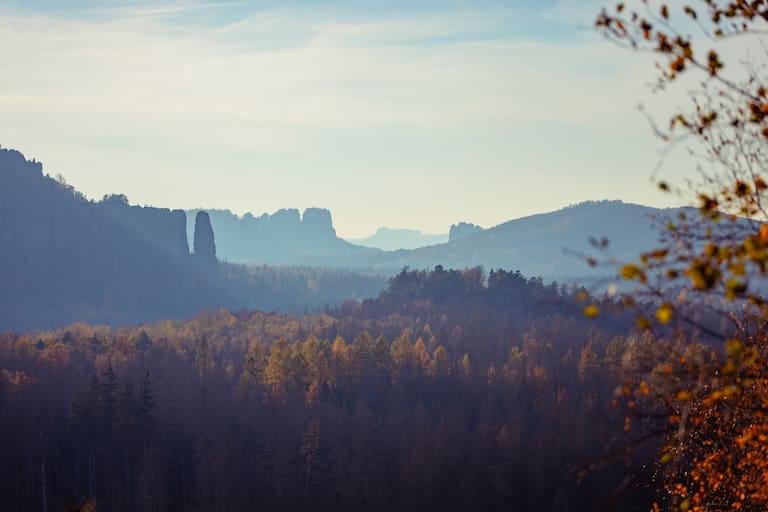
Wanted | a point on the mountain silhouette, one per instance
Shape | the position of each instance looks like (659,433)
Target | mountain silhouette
(548,245)
(285,237)
(63,257)
(389,239)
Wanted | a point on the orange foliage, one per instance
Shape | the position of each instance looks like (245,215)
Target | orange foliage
(714,260)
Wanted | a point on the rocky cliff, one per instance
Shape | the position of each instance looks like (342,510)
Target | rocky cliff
(165,229)
(205,245)
(462,230)
(64,258)
(284,237)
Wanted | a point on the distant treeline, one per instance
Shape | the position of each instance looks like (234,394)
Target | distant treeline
(451,391)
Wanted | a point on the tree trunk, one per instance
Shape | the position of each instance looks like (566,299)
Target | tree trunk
(91,470)
(42,479)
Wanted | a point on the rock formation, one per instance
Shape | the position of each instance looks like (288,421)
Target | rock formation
(463,230)
(204,244)
(165,229)
(285,221)
(285,237)
(317,223)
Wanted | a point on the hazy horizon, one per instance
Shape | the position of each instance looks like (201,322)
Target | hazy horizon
(475,111)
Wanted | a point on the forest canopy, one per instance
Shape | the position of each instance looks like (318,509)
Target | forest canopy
(453,390)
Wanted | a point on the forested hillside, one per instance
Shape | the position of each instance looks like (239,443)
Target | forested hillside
(64,258)
(451,391)
(551,245)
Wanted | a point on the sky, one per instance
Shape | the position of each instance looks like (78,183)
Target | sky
(399,114)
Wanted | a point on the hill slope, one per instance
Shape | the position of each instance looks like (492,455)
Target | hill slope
(64,258)
(545,245)
(389,239)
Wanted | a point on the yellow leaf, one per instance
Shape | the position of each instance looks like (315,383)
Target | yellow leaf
(631,272)
(703,275)
(591,311)
(664,313)
(734,348)
(738,268)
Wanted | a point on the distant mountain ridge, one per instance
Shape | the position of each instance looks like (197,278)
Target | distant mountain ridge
(285,237)
(389,239)
(64,258)
(547,245)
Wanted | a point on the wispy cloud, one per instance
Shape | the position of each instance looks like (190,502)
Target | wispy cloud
(286,82)
(341,74)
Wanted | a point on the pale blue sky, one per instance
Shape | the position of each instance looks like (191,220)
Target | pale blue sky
(404,114)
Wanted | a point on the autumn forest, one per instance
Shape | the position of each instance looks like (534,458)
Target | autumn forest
(453,390)
(509,338)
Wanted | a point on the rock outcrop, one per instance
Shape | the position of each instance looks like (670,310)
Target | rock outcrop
(463,230)
(286,220)
(165,229)
(204,243)
(284,238)
(317,223)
